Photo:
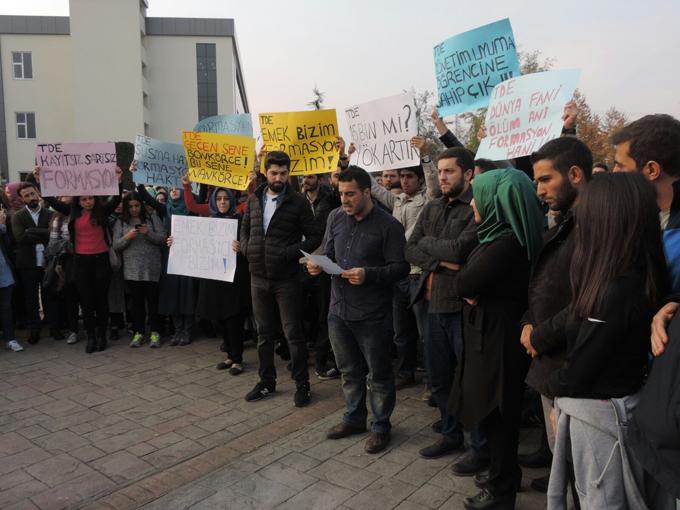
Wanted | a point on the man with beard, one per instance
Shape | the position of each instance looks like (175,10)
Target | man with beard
(441,240)
(31,229)
(317,291)
(277,225)
(562,168)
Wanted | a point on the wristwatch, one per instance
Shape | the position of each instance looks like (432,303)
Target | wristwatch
(426,159)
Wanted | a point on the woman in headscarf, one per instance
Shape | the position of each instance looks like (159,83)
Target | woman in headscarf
(489,387)
(177,293)
(224,302)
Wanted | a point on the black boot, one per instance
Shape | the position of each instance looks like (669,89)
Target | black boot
(91,342)
(101,340)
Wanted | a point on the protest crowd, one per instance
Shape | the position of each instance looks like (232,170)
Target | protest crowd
(540,287)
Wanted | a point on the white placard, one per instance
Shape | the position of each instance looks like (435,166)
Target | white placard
(201,247)
(381,131)
(525,113)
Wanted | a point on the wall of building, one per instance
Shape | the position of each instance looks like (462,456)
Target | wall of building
(171,74)
(107,69)
(49,94)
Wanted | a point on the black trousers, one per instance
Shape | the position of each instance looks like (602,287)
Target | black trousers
(502,425)
(317,299)
(282,298)
(93,275)
(64,306)
(6,315)
(31,280)
(233,335)
(144,303)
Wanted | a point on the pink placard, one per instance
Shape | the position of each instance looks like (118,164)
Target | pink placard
(74,169)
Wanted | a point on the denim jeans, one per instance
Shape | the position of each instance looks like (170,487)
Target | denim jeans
(282,298)
(362,352)
(444,347)
(406,331)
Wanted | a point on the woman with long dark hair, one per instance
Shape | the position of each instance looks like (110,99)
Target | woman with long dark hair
(224,302)
(139,237)
(490,383)
(618,277)
(91,239)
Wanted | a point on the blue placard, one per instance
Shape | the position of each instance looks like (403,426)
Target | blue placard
(469,65)
(233,124)
(159,163)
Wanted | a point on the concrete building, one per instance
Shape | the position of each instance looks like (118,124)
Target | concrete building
(107,73)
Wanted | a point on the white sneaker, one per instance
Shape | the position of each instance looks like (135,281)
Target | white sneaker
(72,338)
(15,346)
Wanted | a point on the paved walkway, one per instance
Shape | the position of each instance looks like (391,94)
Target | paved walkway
(162,429)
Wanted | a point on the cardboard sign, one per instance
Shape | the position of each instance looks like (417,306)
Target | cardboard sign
(201,247)
(159,163)
(74,169)
(381,131)
(469,65)
(525,113)
(220,160)
(307,137)
(233,124)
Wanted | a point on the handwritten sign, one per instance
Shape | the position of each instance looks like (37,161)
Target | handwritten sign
(469,65)
(233,124)
(382,130)
(74,169)
(201,247)
(307,137)
(525,113)
(159,163)
(220,160)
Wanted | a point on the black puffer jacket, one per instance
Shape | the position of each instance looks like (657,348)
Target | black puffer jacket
(276,256)
(549,294)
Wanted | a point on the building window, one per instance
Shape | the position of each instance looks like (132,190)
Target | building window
(206,70)
(22,62)
(25,125)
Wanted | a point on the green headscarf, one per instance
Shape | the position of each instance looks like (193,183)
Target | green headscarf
(507,202)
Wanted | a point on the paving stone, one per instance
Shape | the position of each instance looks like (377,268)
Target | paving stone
(266,455)
(70,494)
(222,421)
(430,496)
(65,422)
(141,449)
(171,455)
(125,440)
(181,499)
(22,393)
(382,494)
(14,478)
(60,408)
(228,475)
(22,505)
(165,440)
(265,491)
(286,475)
(21,492)
(22,459)
(384,467)
(122,466)
(58,469)
(227,499)
(62,441)
(343,475)
(320,496)
(420,471)
(299,461)
(87,453)
(410,505)
(193,432)
(218,438)
(12,443)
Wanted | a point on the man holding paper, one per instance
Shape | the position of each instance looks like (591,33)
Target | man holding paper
(368,244)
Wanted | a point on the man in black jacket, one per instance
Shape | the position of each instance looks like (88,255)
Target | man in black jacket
(30,227)
(442,238)
(276,226)
(317,291)
(562,168)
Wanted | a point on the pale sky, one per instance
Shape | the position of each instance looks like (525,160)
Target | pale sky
(357,51)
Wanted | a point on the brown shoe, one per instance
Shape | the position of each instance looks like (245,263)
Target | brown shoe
(377,442)
(344,430)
